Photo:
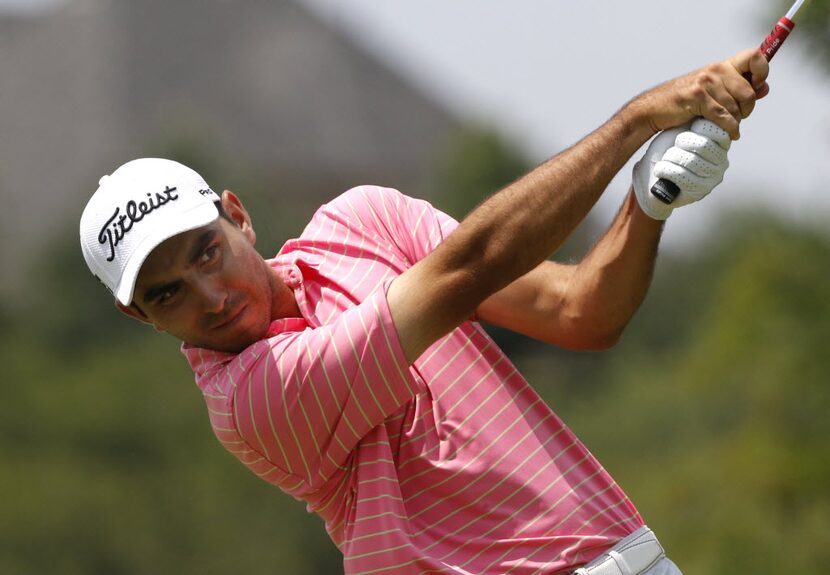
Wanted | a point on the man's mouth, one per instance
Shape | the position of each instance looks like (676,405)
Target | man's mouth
(231,318)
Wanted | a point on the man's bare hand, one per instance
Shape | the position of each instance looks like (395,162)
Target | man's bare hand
(719,92)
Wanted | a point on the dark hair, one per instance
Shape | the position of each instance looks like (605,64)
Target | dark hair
(222,212)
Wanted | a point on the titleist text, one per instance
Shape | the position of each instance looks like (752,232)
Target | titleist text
(120,224)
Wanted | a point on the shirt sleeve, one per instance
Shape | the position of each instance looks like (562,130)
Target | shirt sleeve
(415,227)
(308,397)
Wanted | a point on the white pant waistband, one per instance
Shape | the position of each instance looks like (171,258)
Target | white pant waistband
(633,555)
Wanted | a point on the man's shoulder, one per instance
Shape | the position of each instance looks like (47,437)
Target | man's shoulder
(355,201)
(218,369)
(361,208)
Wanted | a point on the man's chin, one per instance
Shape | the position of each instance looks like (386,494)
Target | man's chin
(234,344)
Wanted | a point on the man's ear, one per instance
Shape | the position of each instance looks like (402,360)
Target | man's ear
(237,213)
(135,312)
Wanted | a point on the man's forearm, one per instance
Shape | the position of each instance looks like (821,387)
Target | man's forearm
(510,234)
(608,286)
(516,229)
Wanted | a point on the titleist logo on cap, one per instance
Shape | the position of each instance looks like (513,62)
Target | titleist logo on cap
(120,224)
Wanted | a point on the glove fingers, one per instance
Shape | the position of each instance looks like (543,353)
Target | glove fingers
(693,162)
(692,186)
(704,147)
(709,129)
(662,142)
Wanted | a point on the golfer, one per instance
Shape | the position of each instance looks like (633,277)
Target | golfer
(351,370)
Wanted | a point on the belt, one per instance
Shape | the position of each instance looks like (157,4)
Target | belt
(634,554)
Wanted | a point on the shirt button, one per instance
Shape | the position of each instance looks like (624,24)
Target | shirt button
(295,278)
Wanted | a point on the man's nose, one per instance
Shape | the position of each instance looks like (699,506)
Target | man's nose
(213,295)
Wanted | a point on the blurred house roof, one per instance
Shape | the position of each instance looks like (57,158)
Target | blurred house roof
(263,84)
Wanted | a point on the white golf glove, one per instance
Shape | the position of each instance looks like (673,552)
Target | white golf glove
(692,156)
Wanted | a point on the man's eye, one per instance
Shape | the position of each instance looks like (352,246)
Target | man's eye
(166,296)
(209,254)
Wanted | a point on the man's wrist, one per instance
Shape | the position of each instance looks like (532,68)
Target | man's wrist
(639,123)
(642,217)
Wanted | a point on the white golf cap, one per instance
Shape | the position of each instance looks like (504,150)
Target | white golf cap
(137,207)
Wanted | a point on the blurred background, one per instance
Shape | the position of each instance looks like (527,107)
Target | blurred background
(711,412)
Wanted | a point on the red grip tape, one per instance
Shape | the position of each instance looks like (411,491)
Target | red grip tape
(776,37)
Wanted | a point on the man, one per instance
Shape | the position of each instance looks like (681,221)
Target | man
(351,372)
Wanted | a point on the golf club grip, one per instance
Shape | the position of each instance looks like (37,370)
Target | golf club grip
(665,190)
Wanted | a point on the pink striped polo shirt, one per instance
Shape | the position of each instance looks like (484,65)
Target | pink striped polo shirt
(450,465)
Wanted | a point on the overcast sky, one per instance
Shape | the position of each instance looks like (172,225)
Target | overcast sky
(547,72)
(25,6)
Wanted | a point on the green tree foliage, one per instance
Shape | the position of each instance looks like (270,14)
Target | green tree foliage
(723,441)
(477,164)
(110,467)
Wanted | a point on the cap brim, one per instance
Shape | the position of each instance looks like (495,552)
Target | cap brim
(201,215)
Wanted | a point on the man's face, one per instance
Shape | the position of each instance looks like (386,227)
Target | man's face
(210,288)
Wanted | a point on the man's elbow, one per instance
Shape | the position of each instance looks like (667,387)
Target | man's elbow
(587,335)
(595,341)
(591,342)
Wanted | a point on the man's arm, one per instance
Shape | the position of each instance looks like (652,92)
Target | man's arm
(516,229)
(584,306)
(304,398)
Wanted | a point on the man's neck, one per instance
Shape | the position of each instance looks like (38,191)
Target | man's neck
(283,302)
